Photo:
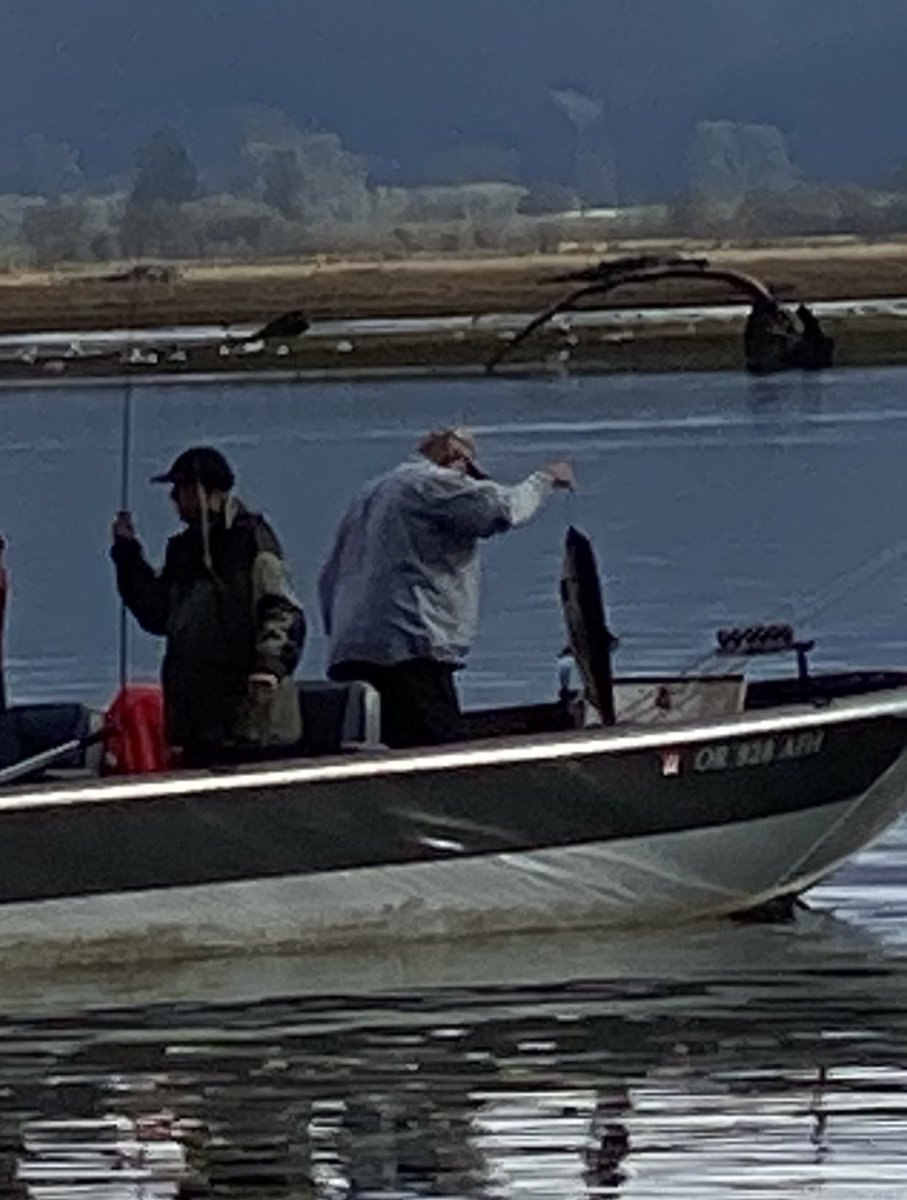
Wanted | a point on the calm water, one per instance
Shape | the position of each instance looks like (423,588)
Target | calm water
(726,1061)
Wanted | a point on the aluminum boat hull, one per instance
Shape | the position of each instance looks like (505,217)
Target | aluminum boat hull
(581,829)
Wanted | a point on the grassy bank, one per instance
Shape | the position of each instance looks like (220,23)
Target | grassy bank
(826,270)
(78,300)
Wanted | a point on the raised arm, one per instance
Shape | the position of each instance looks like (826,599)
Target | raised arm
(482,508)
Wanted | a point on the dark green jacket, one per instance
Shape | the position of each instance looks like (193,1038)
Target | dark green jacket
(222,623)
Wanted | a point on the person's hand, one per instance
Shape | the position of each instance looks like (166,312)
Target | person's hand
(123,527)
(560,474)
(262,684)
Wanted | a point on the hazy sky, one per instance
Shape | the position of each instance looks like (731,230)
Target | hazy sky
(404,79)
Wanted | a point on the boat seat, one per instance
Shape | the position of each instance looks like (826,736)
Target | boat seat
(29,729)
(338,717)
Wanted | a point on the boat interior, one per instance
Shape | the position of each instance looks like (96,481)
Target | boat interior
(345,718)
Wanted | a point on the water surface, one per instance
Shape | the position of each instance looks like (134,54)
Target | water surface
(710,498)
(725,1061)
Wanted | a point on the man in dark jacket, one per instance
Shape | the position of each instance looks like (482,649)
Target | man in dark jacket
(233,630)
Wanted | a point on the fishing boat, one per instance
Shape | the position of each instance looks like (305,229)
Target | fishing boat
(644,800)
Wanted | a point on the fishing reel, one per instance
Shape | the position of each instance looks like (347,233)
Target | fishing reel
(752,640)
(756,639)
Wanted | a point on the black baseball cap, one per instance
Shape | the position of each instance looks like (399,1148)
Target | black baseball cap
(199,464)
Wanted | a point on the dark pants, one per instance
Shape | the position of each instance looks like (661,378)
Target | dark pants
(419,704)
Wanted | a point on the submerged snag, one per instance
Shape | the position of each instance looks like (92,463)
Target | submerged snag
(773,339)
(287,325)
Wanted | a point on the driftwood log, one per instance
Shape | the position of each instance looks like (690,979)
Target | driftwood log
(773,339)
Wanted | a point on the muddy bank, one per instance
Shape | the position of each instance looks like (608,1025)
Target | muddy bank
(239,294)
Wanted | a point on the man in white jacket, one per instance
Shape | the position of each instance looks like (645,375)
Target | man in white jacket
(399,592)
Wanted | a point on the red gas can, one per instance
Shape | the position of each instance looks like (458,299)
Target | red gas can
(136,743)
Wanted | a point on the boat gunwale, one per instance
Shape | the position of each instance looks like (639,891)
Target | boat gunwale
(492,752)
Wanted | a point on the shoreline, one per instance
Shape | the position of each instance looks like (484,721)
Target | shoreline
(326,288)
(658,337)
(653,347)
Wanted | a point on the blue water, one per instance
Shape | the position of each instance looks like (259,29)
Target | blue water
(710,498)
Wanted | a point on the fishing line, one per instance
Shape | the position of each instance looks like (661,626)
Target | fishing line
(837,589)
(848,581)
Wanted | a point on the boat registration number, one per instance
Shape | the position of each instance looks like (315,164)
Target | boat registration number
(759,752)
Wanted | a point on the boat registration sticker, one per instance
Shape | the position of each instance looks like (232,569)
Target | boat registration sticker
(670,762)
(759,752)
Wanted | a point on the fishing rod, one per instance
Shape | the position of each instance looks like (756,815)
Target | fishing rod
(126,422)
(125,493)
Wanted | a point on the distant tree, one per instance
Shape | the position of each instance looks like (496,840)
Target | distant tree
(302,170)
(596,176)
(716,169)
(55,233)
(282,181)
(334,180)
(729,160)
(490,210)
(225,225)
(812,210)
(893,216)
(165,171)
(548,197)
(692,214)
(857,210)
(136,230)
(156,228)
(103,246)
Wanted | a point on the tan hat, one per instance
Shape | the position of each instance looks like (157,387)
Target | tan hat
(443,445)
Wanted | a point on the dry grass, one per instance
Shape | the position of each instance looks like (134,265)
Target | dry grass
(234,293)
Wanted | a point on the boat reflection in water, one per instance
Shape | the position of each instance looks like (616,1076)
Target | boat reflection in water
(570,1066)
